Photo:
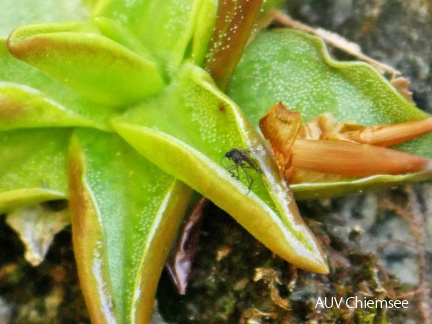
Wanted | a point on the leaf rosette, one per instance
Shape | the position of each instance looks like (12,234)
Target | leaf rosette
(116,114)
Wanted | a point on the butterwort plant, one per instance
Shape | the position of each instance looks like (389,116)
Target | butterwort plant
(125,108)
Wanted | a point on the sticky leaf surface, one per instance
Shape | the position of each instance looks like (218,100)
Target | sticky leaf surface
(199,125)
(295,68)
(125,213)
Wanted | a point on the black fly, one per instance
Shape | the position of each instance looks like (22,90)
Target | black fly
(240,160)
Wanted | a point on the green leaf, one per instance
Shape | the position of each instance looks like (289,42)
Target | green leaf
(91,64)
(235,21)
(272,4)
(172,30)
(205,20)
(17,13)
(125,213)
(24,107)
(29,98)
(121,35)
(187,139)
(295,68)
(32,167)
(317,190)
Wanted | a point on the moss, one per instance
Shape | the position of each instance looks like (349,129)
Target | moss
(44,294)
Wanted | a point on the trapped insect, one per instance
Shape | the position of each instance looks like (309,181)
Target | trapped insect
(235,160)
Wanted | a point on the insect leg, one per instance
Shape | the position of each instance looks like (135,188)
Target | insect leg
(223,162)
(235,174)
(248,176)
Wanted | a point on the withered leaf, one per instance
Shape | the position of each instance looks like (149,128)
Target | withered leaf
(280,127)
(325,149)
